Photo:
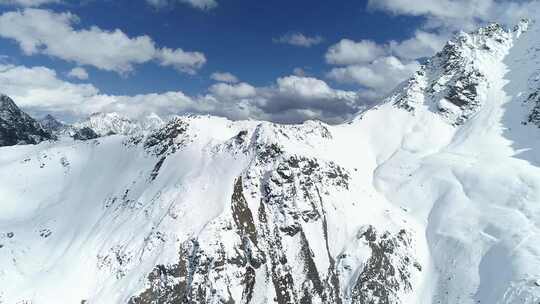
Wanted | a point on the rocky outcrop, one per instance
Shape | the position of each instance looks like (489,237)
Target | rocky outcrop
(84,133)
(450,82)
(273,244)
(17,127)
(51,124)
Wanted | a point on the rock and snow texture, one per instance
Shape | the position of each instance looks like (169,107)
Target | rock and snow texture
(109,123)
(432,196)
(113,123)
(16,127)
(51,124)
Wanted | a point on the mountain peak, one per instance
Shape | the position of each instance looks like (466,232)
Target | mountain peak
(51,124)
(450,82)
(17,127)
(107,123)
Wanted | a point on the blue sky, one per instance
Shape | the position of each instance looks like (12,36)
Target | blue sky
(236,37)
(292,60)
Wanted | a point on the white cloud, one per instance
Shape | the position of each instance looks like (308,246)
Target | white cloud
(460,14)
(28,3)
(350,52)
(187,62)
(381,75)
(295,98)
(198,4)
(201,4)
(40,88)
(79,73)
(439,8)
(303,87)
(39,91)
(224,77)
(232,91)
(374,67)
(40,31)
(423,44)
(299,39)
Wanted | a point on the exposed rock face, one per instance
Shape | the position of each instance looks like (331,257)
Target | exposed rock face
(277,240)
(51,124)
(167,140)
(450,83)
(60,129)
(105,124)
(84,133)
(17,127)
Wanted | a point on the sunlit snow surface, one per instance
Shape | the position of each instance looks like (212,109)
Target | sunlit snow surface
(90,220)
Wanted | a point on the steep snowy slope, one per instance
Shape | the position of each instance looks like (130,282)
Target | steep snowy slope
(432,196)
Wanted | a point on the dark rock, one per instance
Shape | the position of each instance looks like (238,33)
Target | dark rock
(51,124)
(17,127)
(85,133)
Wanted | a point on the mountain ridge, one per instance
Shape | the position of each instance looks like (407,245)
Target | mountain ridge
(17,127)
(428,197)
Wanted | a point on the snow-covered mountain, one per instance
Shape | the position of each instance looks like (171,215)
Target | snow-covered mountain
(113,123)
(109,123)
(51,124)
(16,127)
(431,196)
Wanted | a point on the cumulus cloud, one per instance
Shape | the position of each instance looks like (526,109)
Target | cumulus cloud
(295,98)
(350,52)
(187,62)
(198,4)
(381,75)
(299,39)
(39,90)
(440,8)
(227,91)
(224,77)
(201,4)
(378,68)
(40,31)
(28,3)
(291,99)
(422,44)
(460,14)
(79,73)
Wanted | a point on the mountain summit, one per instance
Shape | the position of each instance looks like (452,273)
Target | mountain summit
(16,127)
(51,124)
(431,196)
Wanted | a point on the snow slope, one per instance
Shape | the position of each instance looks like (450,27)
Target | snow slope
(432,196)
